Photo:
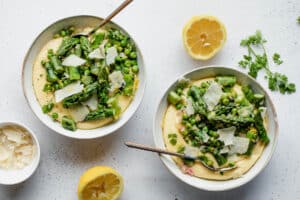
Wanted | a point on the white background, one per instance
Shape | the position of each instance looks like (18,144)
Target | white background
(156,26)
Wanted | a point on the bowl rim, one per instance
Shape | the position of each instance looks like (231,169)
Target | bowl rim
(276,128)
(141,88)
(38,151)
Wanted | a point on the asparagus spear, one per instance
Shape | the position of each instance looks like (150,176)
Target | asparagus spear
(56,64)
(68,123)
(74,73)
(226,81)
(100,114)
(259,125)
(85,45)
(66,45)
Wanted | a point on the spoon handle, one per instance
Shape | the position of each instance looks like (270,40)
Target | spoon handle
(116,11)
(148,148)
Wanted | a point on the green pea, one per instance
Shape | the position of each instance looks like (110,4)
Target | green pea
(54,115)
(135,69)
(179,106)
(179,91)
(210,163)
(108,45)
(225,101)
(118,59)
(132,55)
(173,98)
(87,72)
(63,33)
(185,116)
(125,70)
(118,67)
(120,49)
(234,111)
(127,51)
(128,91)
(123,43)
(127,63)
(133,62)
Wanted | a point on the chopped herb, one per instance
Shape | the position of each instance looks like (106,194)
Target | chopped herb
(276,59)
(298,20)
(255,62)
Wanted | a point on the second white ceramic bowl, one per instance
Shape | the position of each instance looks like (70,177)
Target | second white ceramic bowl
(78,22)
(16,176)
(211,185)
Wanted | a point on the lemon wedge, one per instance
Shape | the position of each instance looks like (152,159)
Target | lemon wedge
(100,183)
(203,36)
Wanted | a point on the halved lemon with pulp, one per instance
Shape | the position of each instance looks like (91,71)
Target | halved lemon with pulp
(100,183)
(203,36)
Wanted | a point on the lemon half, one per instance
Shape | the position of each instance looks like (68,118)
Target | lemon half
(100,183)
(203,36)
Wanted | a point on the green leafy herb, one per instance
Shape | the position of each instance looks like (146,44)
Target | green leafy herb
(298,20)
(255,62)
(276,59)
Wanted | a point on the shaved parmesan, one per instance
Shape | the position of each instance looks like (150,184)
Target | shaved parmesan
(190,151)
(224,150)
(189,109)
(226,135)
(25,150)
(96,54)
(92,102)
(111,54)
(13,135)
(4,154)
(212,95)
(73,60)
(16,147)
(69,90)
(79,113)
(240,145)
(116,81)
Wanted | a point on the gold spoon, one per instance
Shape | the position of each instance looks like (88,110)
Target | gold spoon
(181,155)
(104,21)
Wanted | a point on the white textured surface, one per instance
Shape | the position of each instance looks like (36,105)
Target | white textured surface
(156,26)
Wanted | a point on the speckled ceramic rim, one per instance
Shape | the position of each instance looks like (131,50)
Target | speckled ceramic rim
(36,160)
(134,104)
(167,159)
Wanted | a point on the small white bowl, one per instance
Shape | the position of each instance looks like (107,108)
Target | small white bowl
(212,185)
(46,35)
(16,176)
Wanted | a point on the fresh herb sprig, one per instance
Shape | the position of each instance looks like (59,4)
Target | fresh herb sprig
(298,20)
(255,62)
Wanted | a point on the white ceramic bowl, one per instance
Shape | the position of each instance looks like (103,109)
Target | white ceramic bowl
(211,185)
(39,42)
(15,176)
